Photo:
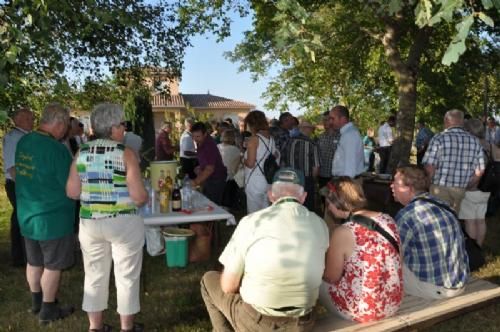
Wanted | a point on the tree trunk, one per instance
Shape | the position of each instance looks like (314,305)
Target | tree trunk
(144,123)
(407,74)
(405,124)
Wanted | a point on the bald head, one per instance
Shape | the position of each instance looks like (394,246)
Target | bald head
(454,118)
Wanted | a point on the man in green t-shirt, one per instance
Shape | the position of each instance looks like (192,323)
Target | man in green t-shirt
(45,213)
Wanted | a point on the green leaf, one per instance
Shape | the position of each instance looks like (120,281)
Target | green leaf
(3,117)
(464,27)
(453,52)
(395,6)
(486,19)
(487,4)
(11,54)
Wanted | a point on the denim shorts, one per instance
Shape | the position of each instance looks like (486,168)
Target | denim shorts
(57,254)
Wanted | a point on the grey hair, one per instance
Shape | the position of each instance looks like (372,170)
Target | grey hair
(104,117)
(455,117)
(475,127)
(282,189)
(189,120)
(55,113)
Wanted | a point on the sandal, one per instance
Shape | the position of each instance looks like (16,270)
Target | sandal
(104,328)
(137,327)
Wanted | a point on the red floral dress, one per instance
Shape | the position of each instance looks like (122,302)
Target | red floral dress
(371,287)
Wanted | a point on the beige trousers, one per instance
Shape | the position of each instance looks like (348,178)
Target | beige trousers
(121,240)
(416,287)
(451,195)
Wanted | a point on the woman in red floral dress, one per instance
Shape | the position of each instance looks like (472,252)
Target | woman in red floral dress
(363,278)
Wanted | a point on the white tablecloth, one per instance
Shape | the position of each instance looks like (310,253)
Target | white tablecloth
(176,218)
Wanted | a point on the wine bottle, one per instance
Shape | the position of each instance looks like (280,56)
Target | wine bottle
(176,199)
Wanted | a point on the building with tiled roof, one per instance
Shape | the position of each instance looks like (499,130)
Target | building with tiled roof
(178,105)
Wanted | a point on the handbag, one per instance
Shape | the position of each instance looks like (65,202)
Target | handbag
(491,176)
(476,257)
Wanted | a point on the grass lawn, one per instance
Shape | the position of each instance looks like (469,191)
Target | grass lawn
(170,298)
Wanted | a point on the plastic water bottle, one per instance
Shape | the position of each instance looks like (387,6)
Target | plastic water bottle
(147,209)
(187,194)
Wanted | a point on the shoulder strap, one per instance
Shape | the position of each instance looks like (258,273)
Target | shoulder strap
(257,163)
(439,204)
(374,226)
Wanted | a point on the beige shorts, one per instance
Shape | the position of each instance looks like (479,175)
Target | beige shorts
(474,205)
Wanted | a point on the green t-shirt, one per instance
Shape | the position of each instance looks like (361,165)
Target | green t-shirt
(42,167)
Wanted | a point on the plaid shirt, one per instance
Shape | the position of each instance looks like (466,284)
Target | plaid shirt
(456,155)
(301,153)
(327,145)
(433,243)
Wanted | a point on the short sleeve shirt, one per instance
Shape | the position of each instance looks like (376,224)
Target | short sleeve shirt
(455,154)
(208,154)
(42,167)
(272,276)
(9,149)
(186,144)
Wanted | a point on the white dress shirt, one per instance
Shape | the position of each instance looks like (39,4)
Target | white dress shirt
(186,144)
(349,158)
(385,135)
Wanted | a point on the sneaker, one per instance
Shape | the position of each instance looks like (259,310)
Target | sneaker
(52,313)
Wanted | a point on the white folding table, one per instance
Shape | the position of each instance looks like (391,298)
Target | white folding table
(202,214)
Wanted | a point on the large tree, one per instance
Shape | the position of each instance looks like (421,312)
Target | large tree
(45,41)
(367,53)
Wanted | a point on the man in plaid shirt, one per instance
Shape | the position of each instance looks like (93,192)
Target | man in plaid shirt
(454,160)
(436,264)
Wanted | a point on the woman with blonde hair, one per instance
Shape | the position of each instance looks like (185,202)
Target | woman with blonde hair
(363,278)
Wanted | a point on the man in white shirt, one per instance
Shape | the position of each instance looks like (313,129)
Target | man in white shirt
(349,155)
(385,140)
(23,122)
(187,150)
(492,131)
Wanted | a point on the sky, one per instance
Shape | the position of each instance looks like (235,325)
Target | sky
(206,69)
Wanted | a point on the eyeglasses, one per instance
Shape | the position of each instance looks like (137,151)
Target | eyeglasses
(123,123)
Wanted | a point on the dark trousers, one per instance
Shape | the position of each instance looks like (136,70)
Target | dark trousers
(310,188)
(385,153)
(17,250)
(420,155)
(213,189)
(188,165)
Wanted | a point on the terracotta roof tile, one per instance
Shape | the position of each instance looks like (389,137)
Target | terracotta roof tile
(197,101)
(211,101)
(167,101)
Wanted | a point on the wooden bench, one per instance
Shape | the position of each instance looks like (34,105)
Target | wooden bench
(417,313)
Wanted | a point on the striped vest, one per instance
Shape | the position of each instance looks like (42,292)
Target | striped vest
(102,173)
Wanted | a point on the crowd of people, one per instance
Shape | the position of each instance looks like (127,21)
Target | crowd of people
(282,257)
